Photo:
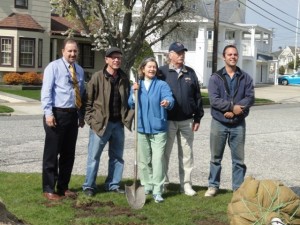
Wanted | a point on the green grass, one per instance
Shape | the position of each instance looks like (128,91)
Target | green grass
(5,109)
(34,94)
(22,195)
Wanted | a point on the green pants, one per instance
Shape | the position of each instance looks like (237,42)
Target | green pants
(151,162)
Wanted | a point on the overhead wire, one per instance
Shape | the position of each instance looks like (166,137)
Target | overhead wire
(272,14)
(267,17)
(280,10)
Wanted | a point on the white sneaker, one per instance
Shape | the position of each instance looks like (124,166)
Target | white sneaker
(158,198)
(211,192)
(188,190)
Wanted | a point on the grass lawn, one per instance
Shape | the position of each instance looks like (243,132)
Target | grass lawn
(5,109)
(22,195)
(34,94)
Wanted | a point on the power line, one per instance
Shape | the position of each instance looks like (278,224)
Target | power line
(280,10)
(272,14)
(267,17)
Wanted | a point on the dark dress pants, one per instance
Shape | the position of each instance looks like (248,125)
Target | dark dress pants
(59,151)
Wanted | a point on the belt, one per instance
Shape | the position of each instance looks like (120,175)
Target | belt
(69,110)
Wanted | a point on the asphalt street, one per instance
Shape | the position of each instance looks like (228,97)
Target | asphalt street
(272,143)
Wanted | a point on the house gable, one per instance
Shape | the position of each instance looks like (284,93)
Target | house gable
(20,22)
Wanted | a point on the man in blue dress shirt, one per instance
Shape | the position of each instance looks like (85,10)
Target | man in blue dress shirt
(63,107)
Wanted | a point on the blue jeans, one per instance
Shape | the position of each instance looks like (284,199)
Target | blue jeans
(114,134)
(235,134)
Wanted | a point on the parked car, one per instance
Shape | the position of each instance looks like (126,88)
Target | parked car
(289,79)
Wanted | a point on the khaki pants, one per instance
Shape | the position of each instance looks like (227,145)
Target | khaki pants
(182,130)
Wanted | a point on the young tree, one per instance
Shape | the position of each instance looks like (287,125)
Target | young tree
(281,70)
(292,64)
(124,23)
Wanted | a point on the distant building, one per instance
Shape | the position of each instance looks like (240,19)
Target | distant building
(30,37)
(285,56)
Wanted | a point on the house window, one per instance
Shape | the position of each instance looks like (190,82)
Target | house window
(40,53)
(27,49)
(6,51)
(210,34)
(160,60)
(21,4)
(209,64)
(86,56)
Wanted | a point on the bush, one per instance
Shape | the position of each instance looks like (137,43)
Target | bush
(26,78)
(12,78)
(281,70)
(32,78)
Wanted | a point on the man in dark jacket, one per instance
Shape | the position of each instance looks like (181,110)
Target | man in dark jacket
(231,94)
(184,118)
(107,112)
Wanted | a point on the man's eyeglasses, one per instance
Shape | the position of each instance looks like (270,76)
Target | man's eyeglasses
(115,57)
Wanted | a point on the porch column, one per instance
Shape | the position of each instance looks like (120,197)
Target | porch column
(54,49)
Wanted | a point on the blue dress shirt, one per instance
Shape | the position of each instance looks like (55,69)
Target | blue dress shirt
(57,89)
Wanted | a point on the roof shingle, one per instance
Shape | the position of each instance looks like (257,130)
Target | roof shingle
(21,21)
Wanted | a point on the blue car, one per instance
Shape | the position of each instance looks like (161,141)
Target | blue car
(289,79)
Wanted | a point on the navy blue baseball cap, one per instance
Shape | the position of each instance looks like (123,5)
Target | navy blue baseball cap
(177,47)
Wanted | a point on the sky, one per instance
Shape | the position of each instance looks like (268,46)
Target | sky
(280,15)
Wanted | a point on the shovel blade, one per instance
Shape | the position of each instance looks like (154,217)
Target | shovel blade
(136,197)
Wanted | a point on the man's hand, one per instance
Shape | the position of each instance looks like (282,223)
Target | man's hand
(238,109)
(195,126)
(229,115)
(50,121)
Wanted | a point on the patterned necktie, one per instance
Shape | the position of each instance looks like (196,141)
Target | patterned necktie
(76,87)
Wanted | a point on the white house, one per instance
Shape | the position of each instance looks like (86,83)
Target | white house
(253,42)
(286,56)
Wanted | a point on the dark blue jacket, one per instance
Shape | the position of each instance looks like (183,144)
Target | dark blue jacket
(221,101)
(186,91)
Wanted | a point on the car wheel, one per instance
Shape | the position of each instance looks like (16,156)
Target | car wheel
(284,82)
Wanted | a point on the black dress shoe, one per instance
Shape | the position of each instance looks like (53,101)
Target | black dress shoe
(89,192)
(118,190)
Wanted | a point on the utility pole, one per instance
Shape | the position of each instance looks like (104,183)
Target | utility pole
(295,59)
(216,37)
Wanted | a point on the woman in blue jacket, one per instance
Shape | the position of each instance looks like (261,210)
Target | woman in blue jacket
(154,99)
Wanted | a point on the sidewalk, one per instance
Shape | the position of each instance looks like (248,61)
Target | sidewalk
(21,105)
(278,94)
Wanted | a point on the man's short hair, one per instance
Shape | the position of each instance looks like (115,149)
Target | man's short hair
(229,46)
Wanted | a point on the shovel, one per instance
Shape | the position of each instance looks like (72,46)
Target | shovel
(135,194)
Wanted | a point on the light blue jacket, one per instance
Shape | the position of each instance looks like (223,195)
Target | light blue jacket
(152,118)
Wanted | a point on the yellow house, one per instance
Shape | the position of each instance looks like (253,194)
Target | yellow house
(31,37)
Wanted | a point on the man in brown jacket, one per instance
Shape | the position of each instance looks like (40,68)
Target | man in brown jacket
(106,113)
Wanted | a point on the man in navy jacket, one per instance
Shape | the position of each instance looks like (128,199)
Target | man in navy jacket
(231,94)
(184,118)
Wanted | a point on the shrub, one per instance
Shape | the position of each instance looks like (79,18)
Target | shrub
(31,78)
(12,78)
(26,78)
(281,70)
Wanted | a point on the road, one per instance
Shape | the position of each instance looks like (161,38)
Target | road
(272,147)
